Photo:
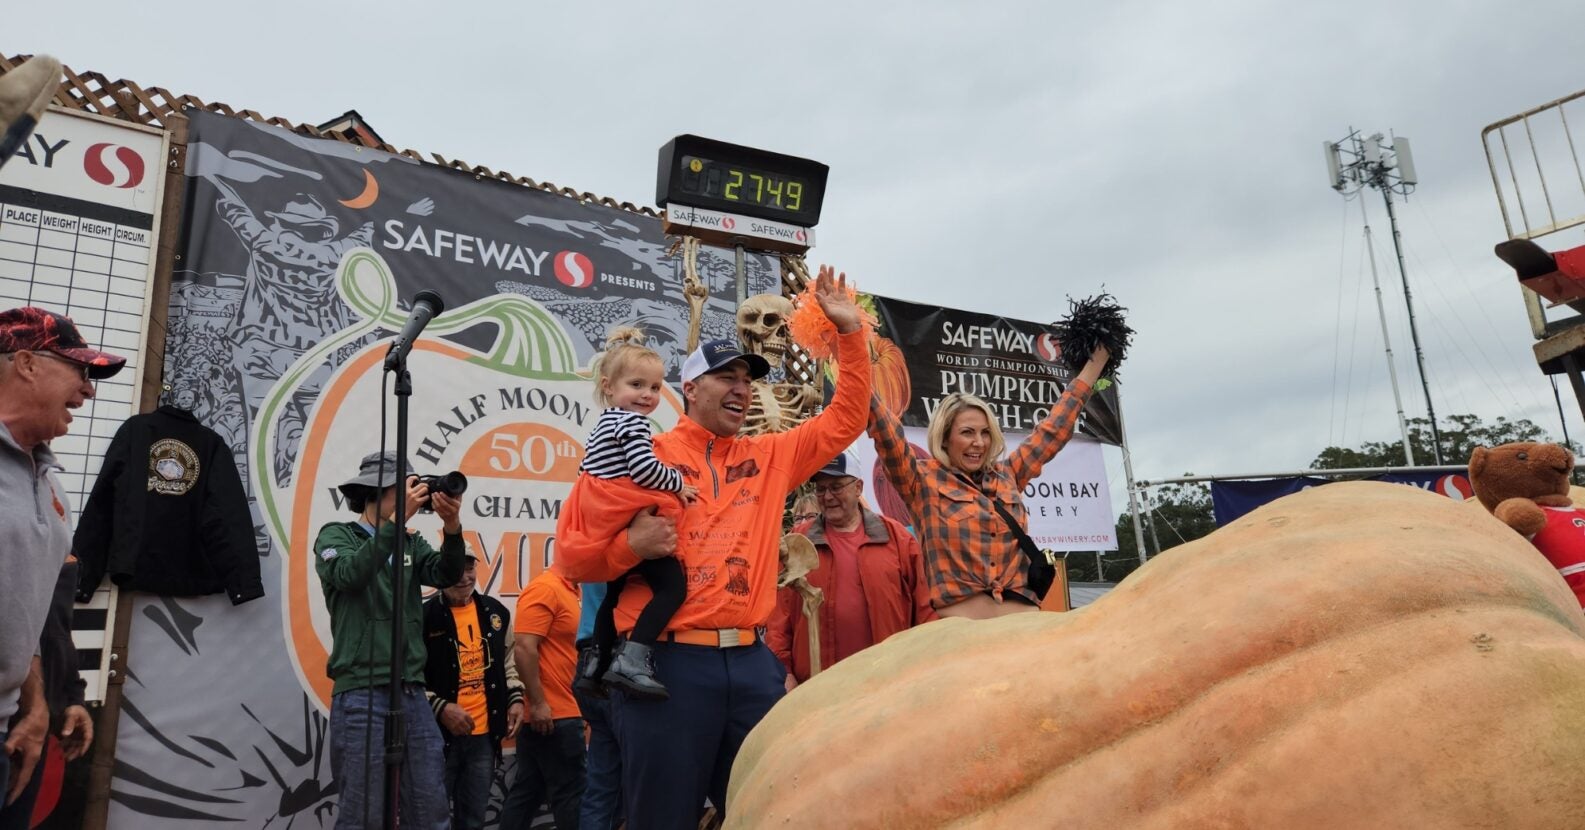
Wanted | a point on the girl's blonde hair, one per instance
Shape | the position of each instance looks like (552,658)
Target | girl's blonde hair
(624,349)
(941,423)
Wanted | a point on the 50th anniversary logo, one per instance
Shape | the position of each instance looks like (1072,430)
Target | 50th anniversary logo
(512,419)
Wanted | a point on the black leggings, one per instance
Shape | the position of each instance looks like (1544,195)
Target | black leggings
(666,580)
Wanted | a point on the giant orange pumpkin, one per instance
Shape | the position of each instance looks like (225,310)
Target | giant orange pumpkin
(1360,655)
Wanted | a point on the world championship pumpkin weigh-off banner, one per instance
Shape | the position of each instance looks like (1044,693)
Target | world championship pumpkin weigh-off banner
(925,353)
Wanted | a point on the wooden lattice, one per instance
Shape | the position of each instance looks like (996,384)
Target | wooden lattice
(125,100)
(798,364)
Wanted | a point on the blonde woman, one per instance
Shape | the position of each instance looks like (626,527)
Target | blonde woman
(973,561)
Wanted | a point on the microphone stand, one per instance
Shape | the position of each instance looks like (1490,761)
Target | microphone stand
(395,726)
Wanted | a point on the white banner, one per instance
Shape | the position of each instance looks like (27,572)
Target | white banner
(80,156)
(1070,504)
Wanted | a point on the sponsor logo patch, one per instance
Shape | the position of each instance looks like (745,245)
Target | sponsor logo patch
(747,469)
(173,467)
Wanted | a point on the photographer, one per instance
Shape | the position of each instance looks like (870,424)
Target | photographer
(353,560)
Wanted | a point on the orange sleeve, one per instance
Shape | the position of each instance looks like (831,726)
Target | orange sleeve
(536,610)
(819,439)
(913,565)
(591,532)
(779,631)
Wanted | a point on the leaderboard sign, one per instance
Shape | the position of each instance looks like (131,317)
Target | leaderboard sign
(78,204)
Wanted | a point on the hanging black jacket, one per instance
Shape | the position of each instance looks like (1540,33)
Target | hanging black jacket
(168,514)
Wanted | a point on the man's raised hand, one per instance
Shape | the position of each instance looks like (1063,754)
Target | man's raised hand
(831,292)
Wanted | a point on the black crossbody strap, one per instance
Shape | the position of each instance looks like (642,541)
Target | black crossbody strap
(1025,544)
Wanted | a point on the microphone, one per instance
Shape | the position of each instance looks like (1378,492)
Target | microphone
(426,305)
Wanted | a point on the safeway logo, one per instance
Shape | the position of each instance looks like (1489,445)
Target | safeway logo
(728,223)
(574,269)
(801,236)
(113,165)
(1455,487)
(1048,348)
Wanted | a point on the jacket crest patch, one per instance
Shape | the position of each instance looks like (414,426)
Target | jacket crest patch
(173,467)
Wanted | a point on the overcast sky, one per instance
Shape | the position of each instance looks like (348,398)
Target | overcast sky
(994,157)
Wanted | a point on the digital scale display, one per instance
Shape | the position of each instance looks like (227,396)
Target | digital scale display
(736,183)
(702,172)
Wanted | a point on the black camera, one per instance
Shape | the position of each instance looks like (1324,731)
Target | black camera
(453,484)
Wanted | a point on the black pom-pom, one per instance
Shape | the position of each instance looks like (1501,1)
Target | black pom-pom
(1091,322)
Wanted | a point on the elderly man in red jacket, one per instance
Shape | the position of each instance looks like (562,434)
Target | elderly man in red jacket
(871,575)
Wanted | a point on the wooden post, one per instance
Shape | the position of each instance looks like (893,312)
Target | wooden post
(96,813)
(1057,598)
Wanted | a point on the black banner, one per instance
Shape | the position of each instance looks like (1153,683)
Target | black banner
(1012,364)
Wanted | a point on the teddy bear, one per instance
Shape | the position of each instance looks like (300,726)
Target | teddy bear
(1526,486)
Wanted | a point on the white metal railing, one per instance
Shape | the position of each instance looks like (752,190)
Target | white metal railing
(1534,159)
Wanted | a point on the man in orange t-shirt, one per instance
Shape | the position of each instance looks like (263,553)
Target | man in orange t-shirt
(550,746)
(721,677)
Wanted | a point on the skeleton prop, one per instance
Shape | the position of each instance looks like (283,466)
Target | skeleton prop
(798,558)
(762,329)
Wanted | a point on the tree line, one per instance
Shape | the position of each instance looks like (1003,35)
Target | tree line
(1183,513)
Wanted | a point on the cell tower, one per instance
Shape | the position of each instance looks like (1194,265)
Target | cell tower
(1353,164)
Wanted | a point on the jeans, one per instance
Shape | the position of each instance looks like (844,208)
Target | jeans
(602,794)
(470,767)
(357,760)
(678,752)
(549,768)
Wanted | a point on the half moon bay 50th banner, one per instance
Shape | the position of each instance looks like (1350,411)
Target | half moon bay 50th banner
(298,259)
(1013,364)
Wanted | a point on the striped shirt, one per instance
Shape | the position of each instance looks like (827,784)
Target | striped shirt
(622,446)
(968,549)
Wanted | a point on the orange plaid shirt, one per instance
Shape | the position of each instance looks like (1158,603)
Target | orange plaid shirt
(968,549)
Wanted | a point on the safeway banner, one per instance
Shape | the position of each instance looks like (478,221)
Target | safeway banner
(1232,499)
(1013,364)
(297,262)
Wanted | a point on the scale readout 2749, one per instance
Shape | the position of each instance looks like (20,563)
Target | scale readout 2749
(731,195)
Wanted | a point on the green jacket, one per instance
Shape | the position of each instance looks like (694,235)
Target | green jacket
(355,573)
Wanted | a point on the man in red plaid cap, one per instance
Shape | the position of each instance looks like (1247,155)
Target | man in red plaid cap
(46,371)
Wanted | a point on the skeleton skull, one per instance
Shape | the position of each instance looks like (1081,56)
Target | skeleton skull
(762,326)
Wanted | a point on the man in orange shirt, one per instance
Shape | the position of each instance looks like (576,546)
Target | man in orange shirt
(550,745)
(721,677)
(871,575)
